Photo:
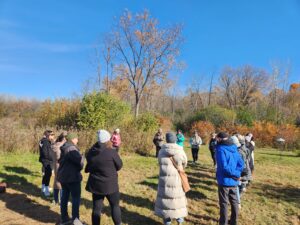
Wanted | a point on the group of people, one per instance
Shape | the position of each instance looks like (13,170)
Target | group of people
(63,157)
(233,157)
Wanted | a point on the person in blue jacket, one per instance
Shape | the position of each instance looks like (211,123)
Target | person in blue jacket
(229,168)
(180,138)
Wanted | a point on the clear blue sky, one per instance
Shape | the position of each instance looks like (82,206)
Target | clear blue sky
(46,46)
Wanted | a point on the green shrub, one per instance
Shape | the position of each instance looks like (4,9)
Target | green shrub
(217,115)
(244,117)
(100,110)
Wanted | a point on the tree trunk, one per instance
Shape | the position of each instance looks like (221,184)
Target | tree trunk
(137,105)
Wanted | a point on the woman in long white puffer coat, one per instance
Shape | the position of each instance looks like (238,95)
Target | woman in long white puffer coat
(171,201)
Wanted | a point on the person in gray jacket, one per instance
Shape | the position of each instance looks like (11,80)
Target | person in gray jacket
(171,201)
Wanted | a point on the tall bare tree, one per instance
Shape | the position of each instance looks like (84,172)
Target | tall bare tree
(145,52)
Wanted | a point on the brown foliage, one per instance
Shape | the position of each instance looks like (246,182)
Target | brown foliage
(204,129)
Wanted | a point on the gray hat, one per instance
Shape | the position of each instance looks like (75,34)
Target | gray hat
(171,137)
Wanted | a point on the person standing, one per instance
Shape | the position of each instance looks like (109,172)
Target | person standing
(171,201)
(229,168)
(250,144)
(116,139)
(195,142)
(47,160)
(180,138)
(56,156)
(212,147)
(103,164)
(158,141)
(70,165)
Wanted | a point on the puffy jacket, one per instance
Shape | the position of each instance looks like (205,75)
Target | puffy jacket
(180,139)
(46,157)
(70,164)
(102,164)
(229,164)
(116,140)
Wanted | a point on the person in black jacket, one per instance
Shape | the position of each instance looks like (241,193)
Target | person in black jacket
(46,160)
(102,166)
(70,165)
(212,147)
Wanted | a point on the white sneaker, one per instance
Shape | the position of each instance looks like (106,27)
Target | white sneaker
(47,192)
(43,188)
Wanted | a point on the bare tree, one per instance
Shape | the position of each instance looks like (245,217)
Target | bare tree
(144,51)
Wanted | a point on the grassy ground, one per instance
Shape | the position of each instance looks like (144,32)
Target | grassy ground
(273,198)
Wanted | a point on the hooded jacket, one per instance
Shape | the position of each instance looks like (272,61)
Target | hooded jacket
(102,164)
(70,164)
(229,164)
(180,139)
(45,152)
(170,201)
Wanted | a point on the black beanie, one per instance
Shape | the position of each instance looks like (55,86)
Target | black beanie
(171,137)
(222,135)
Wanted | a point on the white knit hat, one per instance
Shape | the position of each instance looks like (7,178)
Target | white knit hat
(103,136)
(235,141)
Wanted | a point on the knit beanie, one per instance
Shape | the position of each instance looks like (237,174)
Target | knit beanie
(171,137)
(222,135)
(103,136)
(235,141)
(71,136)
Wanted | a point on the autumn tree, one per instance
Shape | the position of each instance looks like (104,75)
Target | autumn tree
(144,51)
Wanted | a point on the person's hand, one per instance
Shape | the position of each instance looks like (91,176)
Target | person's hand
(237,178)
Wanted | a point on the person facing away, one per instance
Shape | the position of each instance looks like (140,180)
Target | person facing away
(103,164)
(61,139)
(229,168)
(195,142)
(212,146)
(47,160)
(158,141)
(171,201)
(250,144)
(116,139)
(70,165)
(180,138)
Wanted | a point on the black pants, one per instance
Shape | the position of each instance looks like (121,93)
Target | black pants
(113,200)
(117,148)
(157,150)
(75,190)
(195,152)
(213,156)
(47,175)
(228,194)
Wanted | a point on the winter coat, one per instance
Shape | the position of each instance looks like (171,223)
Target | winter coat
(45,152)
(171,201)
(55,150)
(195,141)
(229,164)
(180,139)
(116,140)
(158,139)
(246,156)
(212,144)
(70,164)
(102,164)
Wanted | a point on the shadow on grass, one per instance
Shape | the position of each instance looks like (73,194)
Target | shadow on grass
(23,205)
(287,193)
(20,183)
(279,154)
(195,218)
(19,170)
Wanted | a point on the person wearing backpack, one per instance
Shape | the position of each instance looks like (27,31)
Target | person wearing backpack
(229,168)
(47,160)
(195,142)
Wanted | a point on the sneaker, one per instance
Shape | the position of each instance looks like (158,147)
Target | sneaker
(240,206)
(180,220)
(78,222)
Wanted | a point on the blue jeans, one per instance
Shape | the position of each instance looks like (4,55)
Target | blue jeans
(75,190)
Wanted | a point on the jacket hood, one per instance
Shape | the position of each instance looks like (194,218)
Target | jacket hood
(66,146)
(171,148)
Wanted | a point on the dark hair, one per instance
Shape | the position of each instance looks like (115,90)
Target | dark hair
(61,137)
(47,133)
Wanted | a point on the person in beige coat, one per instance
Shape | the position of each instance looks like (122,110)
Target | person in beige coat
(56,156)
(171,201)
